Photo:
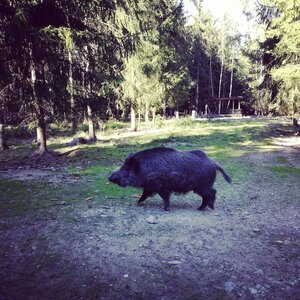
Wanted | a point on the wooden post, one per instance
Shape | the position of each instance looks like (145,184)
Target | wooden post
(219,107)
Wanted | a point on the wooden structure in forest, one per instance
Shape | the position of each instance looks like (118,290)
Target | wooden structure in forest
(224,106)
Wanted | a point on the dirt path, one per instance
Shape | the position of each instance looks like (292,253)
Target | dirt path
(248,248)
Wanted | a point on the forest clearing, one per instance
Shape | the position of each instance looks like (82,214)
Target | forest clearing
(85,85)
(68,234)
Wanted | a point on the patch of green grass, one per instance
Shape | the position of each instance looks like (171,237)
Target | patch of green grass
(113,190)
(285,172)
(20,197)
(115,125)
(237,171)
(97,176)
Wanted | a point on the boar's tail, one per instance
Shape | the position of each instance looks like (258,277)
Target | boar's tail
(225,175)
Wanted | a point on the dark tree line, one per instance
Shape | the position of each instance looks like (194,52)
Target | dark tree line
(81,60)
(57,56)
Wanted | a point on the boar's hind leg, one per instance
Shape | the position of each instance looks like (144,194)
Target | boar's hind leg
(204,204)
(166,197)
(144,196)
(208,199)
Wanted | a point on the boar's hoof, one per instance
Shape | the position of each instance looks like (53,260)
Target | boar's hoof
(201,207)
(211,205)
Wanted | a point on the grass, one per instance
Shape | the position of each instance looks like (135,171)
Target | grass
(97,176)
(226,142)
(285,171)
(20,197)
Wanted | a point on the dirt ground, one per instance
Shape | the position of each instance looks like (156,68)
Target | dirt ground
(247,248)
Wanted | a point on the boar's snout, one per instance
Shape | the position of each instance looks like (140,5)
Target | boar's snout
(117,178)
(114,177)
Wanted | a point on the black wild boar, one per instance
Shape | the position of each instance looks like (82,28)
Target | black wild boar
(166,170)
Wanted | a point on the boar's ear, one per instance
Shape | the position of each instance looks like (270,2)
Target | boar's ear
(130,155)
(133,163)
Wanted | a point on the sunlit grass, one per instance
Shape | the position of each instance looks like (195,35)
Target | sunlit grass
(196,134)
(230,138)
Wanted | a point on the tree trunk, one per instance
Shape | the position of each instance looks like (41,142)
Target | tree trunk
(71,92)
(153,116)
(211,78)
(147,112)
(295,120)
(133,120)
(3,144)
(87,94)
(210,71)
(197,87)
(260,97)
(41,135)
(297,126)
(220,80)
(222,64)
(117,111)
(139,119)
(92,135)
(39,112)
(231,77)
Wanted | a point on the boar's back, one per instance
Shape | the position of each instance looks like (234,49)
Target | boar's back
(166,169)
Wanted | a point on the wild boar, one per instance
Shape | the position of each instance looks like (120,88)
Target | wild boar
(166,170)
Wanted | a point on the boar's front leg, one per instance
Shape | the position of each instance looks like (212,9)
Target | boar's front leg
(166,198)
(144,196)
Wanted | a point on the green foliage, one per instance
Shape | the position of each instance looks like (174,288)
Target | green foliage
(111,55)
(155,74)
(281,55)
(142,85)
(115,125)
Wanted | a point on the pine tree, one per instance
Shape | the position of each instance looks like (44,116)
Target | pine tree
(282,55)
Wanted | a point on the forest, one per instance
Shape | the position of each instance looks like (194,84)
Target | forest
(87,62)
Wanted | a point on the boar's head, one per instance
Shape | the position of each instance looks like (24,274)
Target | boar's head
(127,175)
